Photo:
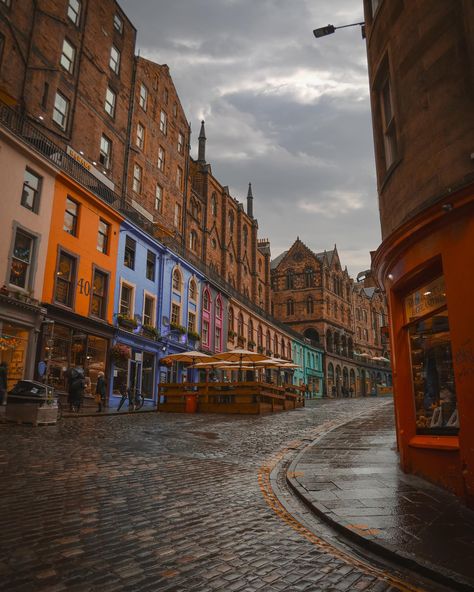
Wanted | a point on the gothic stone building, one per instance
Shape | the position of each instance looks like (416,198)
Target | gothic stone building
(314,295)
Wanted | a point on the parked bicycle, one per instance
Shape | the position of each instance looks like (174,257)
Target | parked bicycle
(135,399)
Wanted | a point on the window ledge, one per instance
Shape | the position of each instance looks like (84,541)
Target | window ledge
(448,443)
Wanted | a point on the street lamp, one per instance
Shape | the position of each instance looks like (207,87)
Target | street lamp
(330,29)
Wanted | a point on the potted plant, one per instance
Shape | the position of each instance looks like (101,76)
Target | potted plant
(194,335)
(126,322)
(251,345)
(120,352)
(260,349)
(151,331)
(178,328)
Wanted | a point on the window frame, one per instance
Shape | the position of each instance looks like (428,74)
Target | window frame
(132,288)
(163,122)
(151,297)
(130,247)
(104,306)
(148,260)
(31,264)
(36,192)
(75,258)
(140,136)
(105,248)
(118,23)
(180,145)
(63,117)
(158,198)
(70,9)
(114,61)
(161,160)
(105,157)
(74,216)
(110,106)
(143,96)
(137,180)
(70,61)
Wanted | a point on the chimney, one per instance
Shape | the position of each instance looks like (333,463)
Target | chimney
(202,144)
(250,201)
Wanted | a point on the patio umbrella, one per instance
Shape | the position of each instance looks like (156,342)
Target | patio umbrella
(241,355)
(189,357)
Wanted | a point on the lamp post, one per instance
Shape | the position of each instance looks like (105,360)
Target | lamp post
(330,29)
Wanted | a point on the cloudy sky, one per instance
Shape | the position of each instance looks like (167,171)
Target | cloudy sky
(283,110)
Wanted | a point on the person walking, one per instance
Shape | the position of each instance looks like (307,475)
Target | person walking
(3,382)
(77,386)
(100,390)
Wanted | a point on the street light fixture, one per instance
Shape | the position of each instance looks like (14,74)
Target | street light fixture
(330,29)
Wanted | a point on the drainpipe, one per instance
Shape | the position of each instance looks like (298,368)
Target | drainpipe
(129,132)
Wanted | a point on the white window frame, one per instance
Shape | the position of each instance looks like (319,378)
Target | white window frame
(62,117)
(110,101)
(137,178)
(140,136)
(74,11)
(159,198)
(163,123)
(143,97)
(178,306)
(152,297)
(68,56)
(161,158)
(180,143)
(133,288)
(118,23)
(105,152)
(114,61)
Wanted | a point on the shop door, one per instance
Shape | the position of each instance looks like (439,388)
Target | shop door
(135,376)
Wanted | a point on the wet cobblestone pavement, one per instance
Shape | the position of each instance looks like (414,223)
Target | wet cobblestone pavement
(161,502)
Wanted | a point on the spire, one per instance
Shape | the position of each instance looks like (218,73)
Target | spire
(202,144)
(250,201)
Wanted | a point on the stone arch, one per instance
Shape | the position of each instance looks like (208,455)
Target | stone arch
(311,334)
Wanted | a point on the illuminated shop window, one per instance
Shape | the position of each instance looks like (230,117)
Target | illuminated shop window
(431,360)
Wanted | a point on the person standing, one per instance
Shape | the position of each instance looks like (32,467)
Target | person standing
(77,386)
(3,382)
(100,390)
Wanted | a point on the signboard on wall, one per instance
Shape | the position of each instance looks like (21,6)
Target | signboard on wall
(425,299)
(90,167)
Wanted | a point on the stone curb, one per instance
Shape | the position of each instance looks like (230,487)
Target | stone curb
(376,546)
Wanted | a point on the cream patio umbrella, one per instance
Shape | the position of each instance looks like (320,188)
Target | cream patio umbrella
(241,355)
(188,357)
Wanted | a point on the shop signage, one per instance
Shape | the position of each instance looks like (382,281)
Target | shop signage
(425,299)
(90,167)
(84,286)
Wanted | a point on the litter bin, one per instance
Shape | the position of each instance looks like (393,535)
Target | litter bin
(191,403)
(32,402)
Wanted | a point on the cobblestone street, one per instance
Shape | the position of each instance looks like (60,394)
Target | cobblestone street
(162,502)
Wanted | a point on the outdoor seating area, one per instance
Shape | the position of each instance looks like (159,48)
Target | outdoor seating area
(231,393)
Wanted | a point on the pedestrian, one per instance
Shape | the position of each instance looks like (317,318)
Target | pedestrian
(333,392)
(351,392)
(3,382)
(100,390)
(77,385)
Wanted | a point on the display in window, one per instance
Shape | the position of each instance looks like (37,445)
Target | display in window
(433,376)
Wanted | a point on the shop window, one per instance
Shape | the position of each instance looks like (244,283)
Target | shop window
(68,56)
(71,216)
(22,259)
(118,23)
(13,351)
(175,314)
(61,110)
(99,294)
(74,11)
(103,237)
(114,61)
(149,305)
(431,360)
(129,253)
(30,196)
(110,101)
(126,300)
(65,279)
(150,266)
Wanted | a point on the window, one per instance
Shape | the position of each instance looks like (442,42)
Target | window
(105,154)
(143,98)
(61,110)
(179,177)
(205,332)
(375,5)
(67,56)
(214,204)
(99,294)
(129,253)
(158,198)
(175,313)
(71,216)
(308,276)
(180,143)
(114,61)
(74,11)
(218,308)
(65,279)
(110,101)
(149,310)
(126,301)
(30,195)
(140,139)
(161,158)
(246,236)
(192,290)
(150,266)
(163,123)
(165,95)
(118,23)
(231,222)
(137,178)
(206,301)
(176,281)
(191,322)
(177,215)
(231,319)
(22,257)
(309,305)
(390,148)
(289,280)
(290,307)
(218,339)
(103,237)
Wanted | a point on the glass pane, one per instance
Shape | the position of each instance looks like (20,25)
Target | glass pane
(22,248)
(433,376)
(148,368)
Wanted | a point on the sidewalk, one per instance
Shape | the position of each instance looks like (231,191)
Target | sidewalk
(350,478)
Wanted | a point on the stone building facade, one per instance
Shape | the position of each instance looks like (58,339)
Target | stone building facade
(315,296)
(420,60)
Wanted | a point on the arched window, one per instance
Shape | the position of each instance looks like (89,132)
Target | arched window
(331,373)
(289,280)
(176,281)
(218,307)
(329,342)
(214,204)
(206,300)
(250,332)
(231,221)
(309,305)
(268,341)
(311,334)
(275,345)
(240,326)
(195,209)
(309,277)
(246,235)
(231,319)
(290,307)
(282,347)
(192,290)
(260,336)
(193,240)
